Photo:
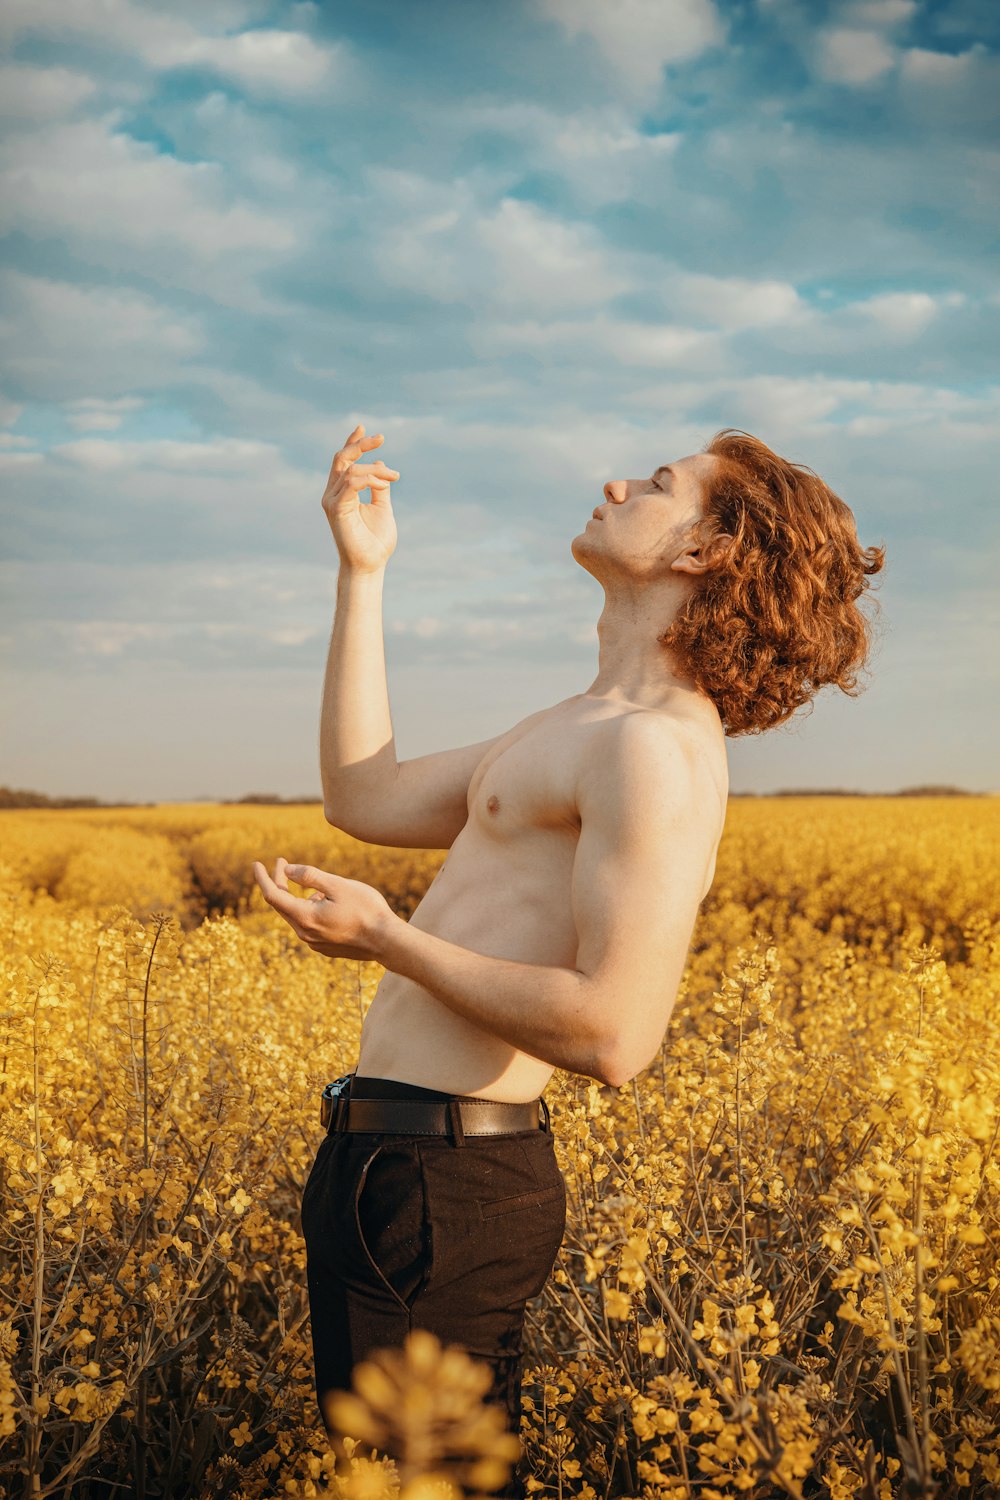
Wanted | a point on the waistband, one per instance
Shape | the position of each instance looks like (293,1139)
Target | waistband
(365,1086)
(388,1106)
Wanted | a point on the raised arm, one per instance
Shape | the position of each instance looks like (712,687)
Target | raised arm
(357,746)
(367,792)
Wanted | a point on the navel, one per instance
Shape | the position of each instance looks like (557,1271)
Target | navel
(493,805)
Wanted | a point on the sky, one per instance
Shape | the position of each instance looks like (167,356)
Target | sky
(538,245)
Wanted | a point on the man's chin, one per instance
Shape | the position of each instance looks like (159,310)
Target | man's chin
(581,555)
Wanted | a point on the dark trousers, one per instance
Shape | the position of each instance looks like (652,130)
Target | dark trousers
(407,1231)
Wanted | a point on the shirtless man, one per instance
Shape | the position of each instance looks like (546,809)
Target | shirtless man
(583,841)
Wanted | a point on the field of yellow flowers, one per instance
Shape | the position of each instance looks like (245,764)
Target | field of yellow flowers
(781,1271)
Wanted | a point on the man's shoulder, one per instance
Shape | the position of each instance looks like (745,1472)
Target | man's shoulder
(664,748)
(645,731)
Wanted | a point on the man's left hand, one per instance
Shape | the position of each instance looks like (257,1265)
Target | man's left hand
(342,919)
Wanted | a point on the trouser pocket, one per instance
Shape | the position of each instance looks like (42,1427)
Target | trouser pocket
(390,1217)
(499,1210)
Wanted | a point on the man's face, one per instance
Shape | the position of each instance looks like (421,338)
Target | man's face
(642,526)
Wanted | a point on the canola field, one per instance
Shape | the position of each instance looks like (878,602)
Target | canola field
(781,1270)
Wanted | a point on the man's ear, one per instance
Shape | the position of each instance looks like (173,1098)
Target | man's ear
(701,559)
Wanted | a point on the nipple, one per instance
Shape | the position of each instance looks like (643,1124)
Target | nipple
(493,804)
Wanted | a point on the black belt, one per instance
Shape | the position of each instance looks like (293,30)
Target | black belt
(451,1117)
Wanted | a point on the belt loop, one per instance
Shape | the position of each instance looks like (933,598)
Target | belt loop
(545,1111)
(340,1114)
(455,1119)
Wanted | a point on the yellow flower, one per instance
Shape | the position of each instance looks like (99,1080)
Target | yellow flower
(618,1304)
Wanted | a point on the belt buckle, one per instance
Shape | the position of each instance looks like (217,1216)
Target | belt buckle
(333,1101)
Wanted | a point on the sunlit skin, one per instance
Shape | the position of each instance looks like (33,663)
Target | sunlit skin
(637,545)
(624,546)
(582,841)
(341,919)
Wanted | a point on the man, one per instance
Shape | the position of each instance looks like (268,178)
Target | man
(583,841)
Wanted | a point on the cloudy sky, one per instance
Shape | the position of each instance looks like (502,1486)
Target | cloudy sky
(539,245)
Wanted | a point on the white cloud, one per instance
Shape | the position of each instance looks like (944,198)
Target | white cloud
(845,55)
(595,149)
(90,180)
(906,314)
(733,302)
(220,456)
(664,344)
(129,207)
(12,460)
(785,405)
(931,416)
(599,342)
(30,93)
(291,635)
(95,414)
(425,628)
(9,411)
(55,330)
(512,255)
(727,305)
(580,138)
(640,37)
(918,65)
(264,60)
(877,12)
(604,159)
(543,260)
(115,637)
(111,637)
(787,410)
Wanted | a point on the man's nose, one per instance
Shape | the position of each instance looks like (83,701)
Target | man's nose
(614,490)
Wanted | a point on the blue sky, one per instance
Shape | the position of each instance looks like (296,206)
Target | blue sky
(539,245)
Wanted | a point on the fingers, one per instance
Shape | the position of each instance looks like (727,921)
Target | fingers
(310,876)
(357,443)
(276,895)
(379,468)
(281,869)
(352,480)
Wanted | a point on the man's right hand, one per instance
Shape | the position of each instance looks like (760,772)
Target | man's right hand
(365,534)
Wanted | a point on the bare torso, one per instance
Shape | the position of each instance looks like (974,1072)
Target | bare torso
(505,891)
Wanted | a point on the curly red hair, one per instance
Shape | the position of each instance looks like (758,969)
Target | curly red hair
(775,618)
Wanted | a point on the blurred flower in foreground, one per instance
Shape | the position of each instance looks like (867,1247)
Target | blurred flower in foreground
(423,1406)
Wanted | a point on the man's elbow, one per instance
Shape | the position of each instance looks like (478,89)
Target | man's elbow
(616,1067)
(622,1060)
(338,817)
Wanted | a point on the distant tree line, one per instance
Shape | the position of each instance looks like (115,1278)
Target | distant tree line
(18,797)
(838,791)
(268,797)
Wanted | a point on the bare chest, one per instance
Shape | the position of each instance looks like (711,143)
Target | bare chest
(528,783)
